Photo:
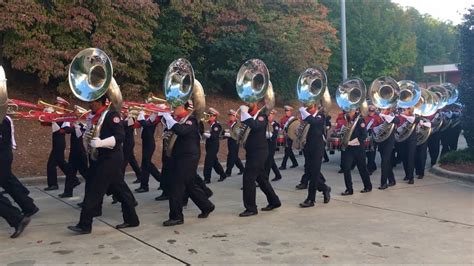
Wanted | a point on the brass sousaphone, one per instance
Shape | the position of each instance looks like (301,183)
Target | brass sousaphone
(180,85)
(3,95)
(91,77)
(253,84)
(310,88)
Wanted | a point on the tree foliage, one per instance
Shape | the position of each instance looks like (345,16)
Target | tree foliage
(466,87)
(43,36)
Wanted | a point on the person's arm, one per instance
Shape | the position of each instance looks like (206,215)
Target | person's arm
(115,124)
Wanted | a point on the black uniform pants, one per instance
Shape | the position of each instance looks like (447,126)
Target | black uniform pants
(211,161)
(233,157)
(445,141)
(78,163)
(183,169)
(355,154)
(200,183)
(407,151)
(371,166)
(433,146)
(10,213)
(255,172)
(13,186)
(420,159)
(147,165)
(107,178)
(289,154)
(314,157)
(454,137)
(385,149)
(270,164)
(129,158)
(56,159)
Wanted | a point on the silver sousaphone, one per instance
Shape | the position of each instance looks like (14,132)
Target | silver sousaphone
(91,77)
(384,93)
(310,89)
(253,85)
(426,106)
(410,94)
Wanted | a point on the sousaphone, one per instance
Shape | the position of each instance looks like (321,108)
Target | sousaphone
(3,95)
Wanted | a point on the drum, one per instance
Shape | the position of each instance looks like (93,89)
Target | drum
(369,144)
(334,143)
(280,139)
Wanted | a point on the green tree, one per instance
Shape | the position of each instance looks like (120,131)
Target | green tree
(42,36)
(466,87)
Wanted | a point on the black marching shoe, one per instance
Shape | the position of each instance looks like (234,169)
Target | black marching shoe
(80,204)
(411,182)
(205,214)
(137,181)
(20,227)
(50,188)
(241,172)
(420,176)
(307,203)
(141,190)
(162,197)
(301,186)
(125,225)
(340,171)
(270,207)
(65,195)
(327,195)
(392,184)
(405,178)
(77,183)
(222,178)
(206,181)
(79,230)
(172,222)
(32,212)
(114,200)
(294,166)
(384,186)
(347,192)
(228,174)
(247,213)
(276,178)
(365,190)
(282,168)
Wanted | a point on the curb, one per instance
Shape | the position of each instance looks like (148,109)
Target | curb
(452,175)
(39,180)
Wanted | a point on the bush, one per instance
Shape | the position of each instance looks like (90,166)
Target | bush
(458,157)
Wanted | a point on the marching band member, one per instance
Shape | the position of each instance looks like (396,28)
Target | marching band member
(183,165)
(256,149)
(56,157)
(77,160)
(232,147)
(371,120)
(106,174)
(385,149)
(314,150)
(420,153)
(11,185)
(407,148)
(288,142)
(355,153)
(450,136)
(212,148)
(148,126)
(271,139)
(434,140)
(129,125)
(341,121)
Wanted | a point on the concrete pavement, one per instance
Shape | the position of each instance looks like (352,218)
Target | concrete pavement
(431,221)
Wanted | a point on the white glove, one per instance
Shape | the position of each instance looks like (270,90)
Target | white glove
(304,112)
(55,127)
(269,135)
(425,124)
(130,121)
(244,108)
(108,143)
(141,116)
(49,110)
(410,119)
(387,118)
(77,130)
(153,117)
(207,135)
(169,120)
(227,134)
